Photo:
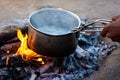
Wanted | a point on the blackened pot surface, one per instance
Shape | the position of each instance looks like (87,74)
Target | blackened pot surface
(54,46)
(49,43)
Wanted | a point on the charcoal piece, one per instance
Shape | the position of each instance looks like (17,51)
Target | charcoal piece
(33,76)
(3,71)
(18,74)
(34,64)
(14,61)
(37,73)
(83,42)
(76,62)
(13,73)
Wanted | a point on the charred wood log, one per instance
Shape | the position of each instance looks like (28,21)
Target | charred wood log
(10,47)
(6,36)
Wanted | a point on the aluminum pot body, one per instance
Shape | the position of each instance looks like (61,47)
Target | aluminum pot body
(50,44)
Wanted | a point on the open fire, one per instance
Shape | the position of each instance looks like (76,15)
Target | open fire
(25,64)
(26,53)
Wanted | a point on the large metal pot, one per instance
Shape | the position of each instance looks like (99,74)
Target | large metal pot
(50,32)
(59,40)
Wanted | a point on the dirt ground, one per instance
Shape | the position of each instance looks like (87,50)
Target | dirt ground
(92,9)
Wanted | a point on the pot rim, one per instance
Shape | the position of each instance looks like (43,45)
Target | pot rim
(79,20)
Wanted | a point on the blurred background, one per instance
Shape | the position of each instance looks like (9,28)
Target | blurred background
(92,9)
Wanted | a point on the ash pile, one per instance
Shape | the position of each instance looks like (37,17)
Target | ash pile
(90,52)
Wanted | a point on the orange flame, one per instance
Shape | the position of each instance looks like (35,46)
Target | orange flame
(26,53)
(7,59)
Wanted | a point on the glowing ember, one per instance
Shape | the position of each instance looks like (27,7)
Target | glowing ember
(26,53)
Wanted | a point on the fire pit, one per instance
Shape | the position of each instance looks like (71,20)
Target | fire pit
(90,51)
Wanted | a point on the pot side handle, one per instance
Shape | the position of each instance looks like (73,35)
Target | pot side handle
(84,26)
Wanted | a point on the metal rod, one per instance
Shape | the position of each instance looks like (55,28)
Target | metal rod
(93,30)
(97,27)
(100,21)
(84,26)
